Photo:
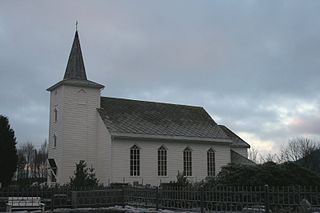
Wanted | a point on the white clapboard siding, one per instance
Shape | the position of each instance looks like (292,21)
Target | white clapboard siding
(76,128)
(103,169)
(55,128)
(149,157)
(82,135)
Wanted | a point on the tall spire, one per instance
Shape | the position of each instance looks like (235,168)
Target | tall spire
(75,67)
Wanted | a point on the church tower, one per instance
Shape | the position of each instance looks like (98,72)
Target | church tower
(73,119)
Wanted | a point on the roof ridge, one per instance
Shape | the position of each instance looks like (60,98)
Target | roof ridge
(154,102)
(232,135)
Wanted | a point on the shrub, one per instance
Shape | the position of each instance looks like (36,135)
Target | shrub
(83,177)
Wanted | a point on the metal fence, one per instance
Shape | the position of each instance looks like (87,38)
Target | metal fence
(53,197)
(225,198)
(216,198)
(97,198)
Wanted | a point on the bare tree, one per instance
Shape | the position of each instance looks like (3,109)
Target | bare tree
(32,161)
(297,148)
(28,151)
(22,162)
(268,158)
(253,154)
(40,160)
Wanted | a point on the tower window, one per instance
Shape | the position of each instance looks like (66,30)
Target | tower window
(55,115)
(54,141)
(162,161)
(135,161)
(211,162)
(187,162)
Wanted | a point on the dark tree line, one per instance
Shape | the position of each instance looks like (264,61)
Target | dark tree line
(284,174)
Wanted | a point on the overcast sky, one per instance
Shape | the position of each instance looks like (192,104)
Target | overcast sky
(253,65)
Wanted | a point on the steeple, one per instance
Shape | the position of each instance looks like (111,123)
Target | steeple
(75,67)
(75,74)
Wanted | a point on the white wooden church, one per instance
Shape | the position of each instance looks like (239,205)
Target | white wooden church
(131,141)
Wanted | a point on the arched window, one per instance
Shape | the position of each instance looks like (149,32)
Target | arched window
(134,161)
(187,162)
(55,115)
(211,162)
(54,141)
(162,161)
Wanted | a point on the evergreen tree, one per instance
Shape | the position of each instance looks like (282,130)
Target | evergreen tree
(8,151)
(83,177)
(285,174)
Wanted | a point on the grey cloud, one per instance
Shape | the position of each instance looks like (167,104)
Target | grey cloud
(235,58)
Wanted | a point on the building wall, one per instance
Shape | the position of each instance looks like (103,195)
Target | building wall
(82,135)
(241,151)
(76,128)
(103,169)
(55,128)
(149,155)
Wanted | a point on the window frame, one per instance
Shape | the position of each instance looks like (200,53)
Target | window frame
(55,115)
(162,161)
(187,162)
(211,163)
(134,161)
(54,144)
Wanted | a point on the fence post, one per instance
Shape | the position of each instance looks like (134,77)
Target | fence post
(123,195)
(202,199)
(266,198)
(52,204)
(74,199)
(157,198)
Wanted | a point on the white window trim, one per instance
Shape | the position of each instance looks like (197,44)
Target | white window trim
(187,162)
(162,161)
(211,173)
(134,161)
(54,142)
(55,115)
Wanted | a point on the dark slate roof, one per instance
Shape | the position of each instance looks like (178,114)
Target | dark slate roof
(236,140)
(236,158)
(75,67)
(141,118)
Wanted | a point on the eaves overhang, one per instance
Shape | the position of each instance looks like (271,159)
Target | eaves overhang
(240,146)
(75,82)
(169,137)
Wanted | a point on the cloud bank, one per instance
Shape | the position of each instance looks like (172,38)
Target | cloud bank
(253,65)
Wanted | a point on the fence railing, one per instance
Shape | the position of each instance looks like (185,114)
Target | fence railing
(225,198)
(215,198)
(97,198)
(53,197)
